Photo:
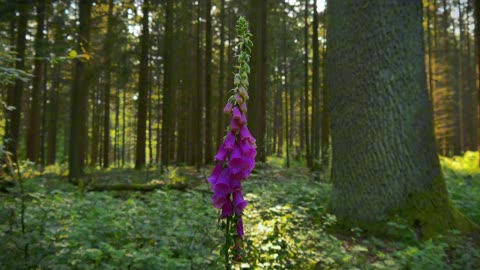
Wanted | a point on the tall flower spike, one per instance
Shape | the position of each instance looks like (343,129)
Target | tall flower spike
(236,156)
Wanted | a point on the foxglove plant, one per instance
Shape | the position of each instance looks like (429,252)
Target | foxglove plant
(236,156)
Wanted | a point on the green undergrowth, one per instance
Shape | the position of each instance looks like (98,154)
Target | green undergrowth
(286,224)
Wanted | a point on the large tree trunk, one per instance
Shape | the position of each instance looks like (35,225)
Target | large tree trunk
(384,155)
(33,135)
(79,99)
(142,90)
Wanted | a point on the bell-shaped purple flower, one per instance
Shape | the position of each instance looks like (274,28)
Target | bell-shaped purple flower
(222,153)
(228,108)
(237,114)
(234,125)
(243,119)
(239,202)
(227,209)
(218,201)
(230,140)
(240,228)
(235,161)
(246,135)
(215,173)
(222,186)
(247,149)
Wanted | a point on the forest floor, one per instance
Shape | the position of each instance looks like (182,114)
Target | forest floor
(175,226)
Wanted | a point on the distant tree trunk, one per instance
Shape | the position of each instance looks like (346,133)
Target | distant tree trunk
(306,83)
(53,108)
(142,90)
(208,158)
(381,116)
(79,98)
(199,101)
(33,134)
(221,77)
(477,51)
(430,54)
(315,86)
(259,75)
(325,133)
(15,93)
(167,128)
(108,47)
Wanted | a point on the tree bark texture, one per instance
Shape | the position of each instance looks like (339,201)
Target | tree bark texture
(384,155)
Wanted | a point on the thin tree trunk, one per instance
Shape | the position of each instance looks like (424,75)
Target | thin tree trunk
(208,158)
(107,69)
(167,89)
(315,86)
(306,83)
(221,77)
(142,90)
(15,94)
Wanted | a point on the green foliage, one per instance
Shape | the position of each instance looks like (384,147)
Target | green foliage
(287,228)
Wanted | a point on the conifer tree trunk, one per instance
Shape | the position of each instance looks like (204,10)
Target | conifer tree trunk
(15,93)
(142,90)
(79,98)
(306,83)
(325,130)
(33,134)
(315,86)
(384,155)
(108,78)
(167,128)
(208,158)
(259,73)
(477,51)
(221,77)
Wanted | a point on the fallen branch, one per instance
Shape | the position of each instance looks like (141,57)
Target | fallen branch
(135,187)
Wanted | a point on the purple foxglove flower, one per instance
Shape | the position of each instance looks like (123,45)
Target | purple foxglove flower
(222,153)
(227,209)
(222,186)
(240,228)
(215,173)
(228,108)
(218,201)
(243,92)
(239,202)
(238,99)
(246,135)
(237,114)
(230,140)
(247,149)
(243,107)
(248,165)
(235,162)
(234,125)
(243,119)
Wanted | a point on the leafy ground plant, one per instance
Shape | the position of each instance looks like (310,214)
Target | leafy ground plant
(287,228)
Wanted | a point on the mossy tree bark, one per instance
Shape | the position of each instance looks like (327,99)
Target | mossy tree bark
(385,160)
